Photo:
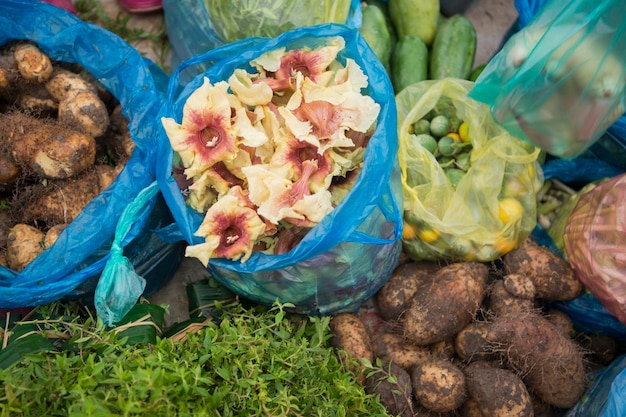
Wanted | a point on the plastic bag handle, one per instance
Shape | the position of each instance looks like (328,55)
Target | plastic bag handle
(392,214)
(119,286)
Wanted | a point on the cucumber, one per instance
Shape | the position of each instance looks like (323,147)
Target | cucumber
(409,62)
(384,6)
(376,33)
(454,49)
(415,17)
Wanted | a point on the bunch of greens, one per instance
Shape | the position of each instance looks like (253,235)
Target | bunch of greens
(239,19)
(250,361)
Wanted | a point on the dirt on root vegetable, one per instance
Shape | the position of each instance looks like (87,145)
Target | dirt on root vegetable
(65,141)
(477,339)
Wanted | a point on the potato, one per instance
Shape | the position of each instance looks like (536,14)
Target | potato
(36,100)
(440,310)
(443,349)
(9,172)
(599,350)
(549,362)
(561,320)
(64,81)
(84,111)
(32,63)
(393,385)
(439,385)
(519,285)
(503,302)
(118,140)
(3,259)
(470,344)
(351,342)
(394,297)
(497,392)
(24,243)
(53,234)
(394,348)
(45,148)
(552,276)
(63,200)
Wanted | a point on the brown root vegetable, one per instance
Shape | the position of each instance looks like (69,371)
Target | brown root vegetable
(9,172)
(440,310)
(394,297)
(443,349)
(53,234)
(503,302)
(62,201)
(439,385)
(561,321)
(552,276)
(35,100)
(519,285)
(394,348)
(64,81)
(471,343)
(471,408)
(85,112)
(3,259)
(393,386)
(6,222)
(32,63)
(549,362)
(45,148)
(497,392)
(599,350)
(118,140)
(351,342)
(24,243)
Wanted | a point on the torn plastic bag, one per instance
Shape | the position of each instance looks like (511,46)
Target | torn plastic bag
(71,267)
(344,259)
(559,82)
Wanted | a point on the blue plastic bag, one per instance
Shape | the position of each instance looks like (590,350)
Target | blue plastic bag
(559,82)
(72,266)
(351,253)
(192,31)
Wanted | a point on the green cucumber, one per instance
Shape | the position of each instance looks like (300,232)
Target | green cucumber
(376,33)
(409,62)
(454,49)
(415,17)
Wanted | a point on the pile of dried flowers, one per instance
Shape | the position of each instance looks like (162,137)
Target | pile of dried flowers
(267,154)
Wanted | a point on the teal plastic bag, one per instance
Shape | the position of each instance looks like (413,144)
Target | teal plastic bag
(559,82)
(352,251)
(72,266)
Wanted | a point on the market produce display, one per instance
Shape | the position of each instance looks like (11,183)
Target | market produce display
(65,141)
(374,242)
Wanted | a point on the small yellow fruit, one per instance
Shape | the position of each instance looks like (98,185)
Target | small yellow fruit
(464,132)
(408,231)
(454,136)
(509,210)
(504,245)
(428,235)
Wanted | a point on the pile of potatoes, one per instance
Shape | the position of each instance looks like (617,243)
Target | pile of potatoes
(63,140)
(473,339)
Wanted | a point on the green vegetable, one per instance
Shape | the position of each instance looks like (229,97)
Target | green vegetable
(476,72)
(376,33)
(454,49)
(248,362)
(454,175)
(440,126)
(446,146)
(415,17)
(239,19)
(421,126)
(409,62)
(427,141)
